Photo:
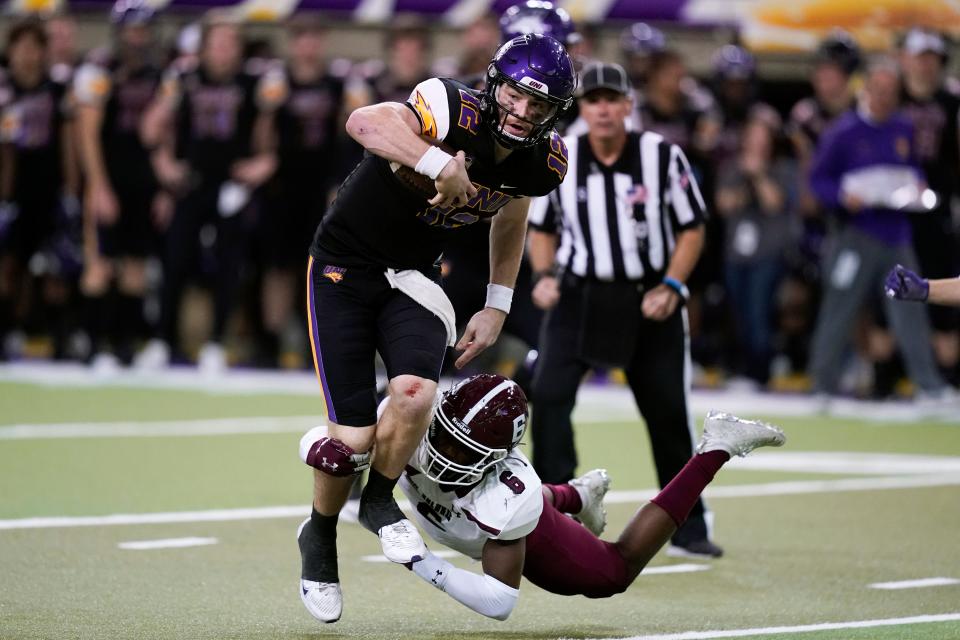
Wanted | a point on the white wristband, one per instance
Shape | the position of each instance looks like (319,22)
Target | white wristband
(499,297)
(432,162)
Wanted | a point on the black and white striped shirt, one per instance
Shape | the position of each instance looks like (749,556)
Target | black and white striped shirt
(621,222)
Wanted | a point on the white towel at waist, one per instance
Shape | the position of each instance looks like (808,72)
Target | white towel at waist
(427,294)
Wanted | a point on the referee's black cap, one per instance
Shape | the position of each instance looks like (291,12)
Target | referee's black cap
(604,75)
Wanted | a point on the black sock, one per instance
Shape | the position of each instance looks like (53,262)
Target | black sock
(885,376)
(377,506)
(129,324)
(318,548)
(93,321)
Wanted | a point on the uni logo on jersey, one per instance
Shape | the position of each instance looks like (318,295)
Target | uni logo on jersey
(333,274)
(428,124)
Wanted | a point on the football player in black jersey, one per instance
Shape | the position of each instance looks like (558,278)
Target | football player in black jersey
(934,107)
(38,186)
(305,126)
(371,280)
(837,61)
(207,125)
(112,90)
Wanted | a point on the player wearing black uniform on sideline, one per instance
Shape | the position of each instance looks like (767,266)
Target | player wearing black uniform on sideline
(837,61)
(212,154)
(38,212)
(934,108)
(112,91)
(372,282)
(306,126)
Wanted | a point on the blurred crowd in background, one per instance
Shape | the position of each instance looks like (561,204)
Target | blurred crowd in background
(157,198)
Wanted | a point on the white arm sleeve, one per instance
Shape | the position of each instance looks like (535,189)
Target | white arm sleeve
(484,594)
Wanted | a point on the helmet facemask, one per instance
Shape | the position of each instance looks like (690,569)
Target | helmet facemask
(500,98)
(447,456)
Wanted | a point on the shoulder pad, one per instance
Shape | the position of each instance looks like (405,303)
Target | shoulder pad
(91,84)
(431,104)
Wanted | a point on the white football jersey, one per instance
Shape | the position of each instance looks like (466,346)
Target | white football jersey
(505,505)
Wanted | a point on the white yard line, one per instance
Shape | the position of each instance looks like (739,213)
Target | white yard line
(172,517)
(167,543)
(801,487)
(614,497)
(676,568)
(806,628)
(914,584)
(154,428)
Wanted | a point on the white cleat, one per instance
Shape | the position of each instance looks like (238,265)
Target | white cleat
(736,436)
(324,600)
(212,360)
(401,542)
(592,487)
(153,357)
(105,365)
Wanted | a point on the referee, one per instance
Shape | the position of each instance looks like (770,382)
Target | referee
(611,249)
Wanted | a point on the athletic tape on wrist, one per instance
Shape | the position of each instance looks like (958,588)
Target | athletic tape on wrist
(432,162)
(499,297)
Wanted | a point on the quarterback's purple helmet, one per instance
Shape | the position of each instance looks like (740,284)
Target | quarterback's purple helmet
(642,39)
(538,16)
(132,12)
(731,62)
(475,425)
(534,64)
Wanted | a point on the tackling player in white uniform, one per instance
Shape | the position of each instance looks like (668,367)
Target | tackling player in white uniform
(471,490)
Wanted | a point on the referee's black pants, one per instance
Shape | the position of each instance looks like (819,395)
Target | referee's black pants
(657,375)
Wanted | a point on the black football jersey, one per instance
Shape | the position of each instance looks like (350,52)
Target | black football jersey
(376,220)
(307,129)
(810,119)
(32,123)
(936,141)
(124,93)
(214,120)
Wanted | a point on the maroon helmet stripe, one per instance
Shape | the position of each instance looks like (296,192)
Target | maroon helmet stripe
(488,529)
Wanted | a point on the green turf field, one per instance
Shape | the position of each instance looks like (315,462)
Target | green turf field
(798,554)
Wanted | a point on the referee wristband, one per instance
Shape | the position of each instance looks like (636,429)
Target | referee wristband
(499,297)
(678,286)
(432,162)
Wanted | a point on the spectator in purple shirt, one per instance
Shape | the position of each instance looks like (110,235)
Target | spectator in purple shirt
(865,169)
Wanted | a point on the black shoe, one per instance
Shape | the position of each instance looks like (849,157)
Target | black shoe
(702,549)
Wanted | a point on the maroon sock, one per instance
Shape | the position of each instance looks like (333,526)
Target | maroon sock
(566,499)
(679,496)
